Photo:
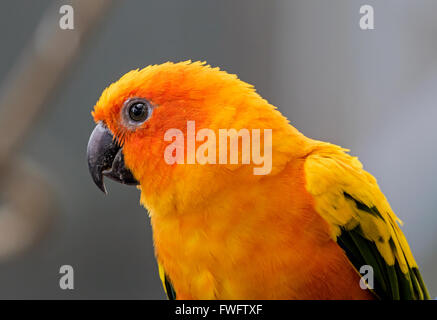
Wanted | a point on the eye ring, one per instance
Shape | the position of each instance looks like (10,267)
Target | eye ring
(137,110)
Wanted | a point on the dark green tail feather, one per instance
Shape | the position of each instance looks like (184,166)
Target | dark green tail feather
(389,281)
(171,294)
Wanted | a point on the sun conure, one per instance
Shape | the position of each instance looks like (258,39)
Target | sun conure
(302,230)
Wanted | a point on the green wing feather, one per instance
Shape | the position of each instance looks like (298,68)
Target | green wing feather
(362,222)
(389,281)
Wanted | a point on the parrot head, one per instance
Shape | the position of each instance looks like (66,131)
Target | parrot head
(134,113)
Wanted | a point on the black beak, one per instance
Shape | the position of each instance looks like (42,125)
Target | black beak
(105,158)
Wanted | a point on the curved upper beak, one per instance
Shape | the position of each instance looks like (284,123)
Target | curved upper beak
(105,158)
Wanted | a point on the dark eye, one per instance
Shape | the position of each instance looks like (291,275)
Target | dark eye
(138,111)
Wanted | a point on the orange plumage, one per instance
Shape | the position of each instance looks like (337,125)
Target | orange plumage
(221,232)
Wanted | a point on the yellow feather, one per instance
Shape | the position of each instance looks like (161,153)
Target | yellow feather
(331,172)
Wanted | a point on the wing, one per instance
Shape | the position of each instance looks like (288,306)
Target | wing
(362,222)
(166,283)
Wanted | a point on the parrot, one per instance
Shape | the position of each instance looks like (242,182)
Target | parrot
(314,226)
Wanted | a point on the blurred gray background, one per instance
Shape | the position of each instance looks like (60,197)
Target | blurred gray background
(371,91)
